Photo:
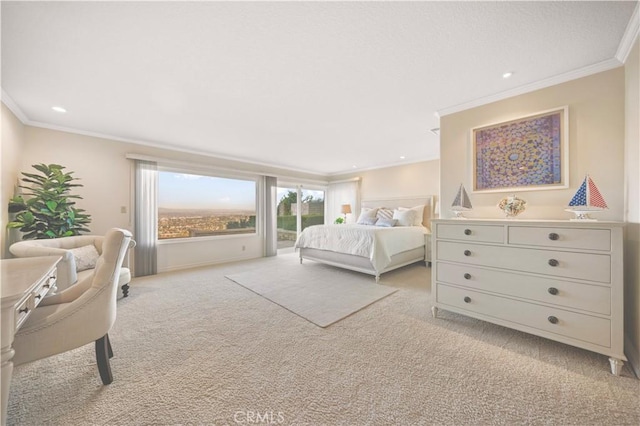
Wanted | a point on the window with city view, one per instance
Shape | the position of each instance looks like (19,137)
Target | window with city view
(192,205)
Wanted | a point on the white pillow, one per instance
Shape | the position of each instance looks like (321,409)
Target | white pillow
(86,257)
(404,217)
(366,215)
(419,214)
(384,213)
(367,220)
(387,223)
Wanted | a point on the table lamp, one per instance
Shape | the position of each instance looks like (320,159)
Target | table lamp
(345,209)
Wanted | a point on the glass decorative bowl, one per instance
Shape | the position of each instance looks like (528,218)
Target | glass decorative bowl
(512,206)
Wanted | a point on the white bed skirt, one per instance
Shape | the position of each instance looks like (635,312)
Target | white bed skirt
(363,264)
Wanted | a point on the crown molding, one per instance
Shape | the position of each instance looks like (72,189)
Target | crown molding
(170,147)
(537,85)
(14,108)
(630,36)
(6,99)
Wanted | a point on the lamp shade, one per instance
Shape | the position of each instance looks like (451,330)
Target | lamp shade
(345,209)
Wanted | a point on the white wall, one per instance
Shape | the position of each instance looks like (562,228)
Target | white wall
(596,146)
(11,148)
(409,180)
(107,177)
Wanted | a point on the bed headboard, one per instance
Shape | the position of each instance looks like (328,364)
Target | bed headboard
(392,203)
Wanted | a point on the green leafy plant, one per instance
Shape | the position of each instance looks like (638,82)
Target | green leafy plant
(339,221)
(46,209)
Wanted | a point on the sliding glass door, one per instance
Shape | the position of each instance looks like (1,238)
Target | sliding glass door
(287,218)
(297,208)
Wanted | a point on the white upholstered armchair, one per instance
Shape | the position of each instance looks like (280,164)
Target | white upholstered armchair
(79,254)
(81,314)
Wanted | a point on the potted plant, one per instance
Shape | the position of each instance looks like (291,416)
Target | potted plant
(48,211)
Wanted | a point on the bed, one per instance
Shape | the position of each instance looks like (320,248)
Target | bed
(370,248)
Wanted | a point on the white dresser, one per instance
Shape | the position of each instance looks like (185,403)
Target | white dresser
(557,279)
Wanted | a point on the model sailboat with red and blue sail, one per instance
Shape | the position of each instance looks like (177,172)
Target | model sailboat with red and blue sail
(587,199)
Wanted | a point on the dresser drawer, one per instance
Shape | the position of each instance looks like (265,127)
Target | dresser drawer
(23,310)
(586,266)
(471,232)
(567,294)
(43,288)
(569,324)
(588,239)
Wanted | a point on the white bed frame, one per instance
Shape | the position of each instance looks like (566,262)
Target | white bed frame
(363,264)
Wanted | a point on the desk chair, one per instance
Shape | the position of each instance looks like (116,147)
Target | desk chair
(81,314)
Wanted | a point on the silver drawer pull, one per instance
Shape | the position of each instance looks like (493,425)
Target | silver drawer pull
(25,310)
(467,252)
(467,299)
(467,276)
(552,319)
(38,297)
(553,236)
(553,262)
(467,232)
(553,290)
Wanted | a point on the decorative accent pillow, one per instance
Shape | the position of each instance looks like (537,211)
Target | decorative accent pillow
(365,215)
(384,213)
(419,214)
(367,220)
(387,223)
(86,257)
(404,217)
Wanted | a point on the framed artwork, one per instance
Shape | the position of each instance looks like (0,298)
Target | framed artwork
(525,154)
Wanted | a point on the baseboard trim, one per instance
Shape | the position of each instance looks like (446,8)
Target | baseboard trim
(209,263)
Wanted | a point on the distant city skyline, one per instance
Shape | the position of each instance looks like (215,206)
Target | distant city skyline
(189,191)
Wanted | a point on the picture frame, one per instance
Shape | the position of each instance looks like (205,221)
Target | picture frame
(528,153)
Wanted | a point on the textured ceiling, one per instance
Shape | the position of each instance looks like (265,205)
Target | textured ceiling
(319,87)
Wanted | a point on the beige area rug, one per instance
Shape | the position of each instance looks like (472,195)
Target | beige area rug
(319,293)
(194,348)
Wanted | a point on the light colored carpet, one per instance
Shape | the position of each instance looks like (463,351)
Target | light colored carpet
(194,348)
(318,293)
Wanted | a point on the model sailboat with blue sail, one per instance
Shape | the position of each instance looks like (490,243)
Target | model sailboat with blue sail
(586,200)
(461,203)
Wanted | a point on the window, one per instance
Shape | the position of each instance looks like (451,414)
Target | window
(192,205)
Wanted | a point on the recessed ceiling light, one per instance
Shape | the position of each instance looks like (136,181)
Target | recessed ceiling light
(353,166)
(507,74)
(402,157)
(58,109)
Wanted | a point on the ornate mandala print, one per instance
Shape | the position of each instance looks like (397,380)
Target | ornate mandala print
(526,152)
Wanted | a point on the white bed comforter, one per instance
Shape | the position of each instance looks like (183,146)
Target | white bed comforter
(373,242)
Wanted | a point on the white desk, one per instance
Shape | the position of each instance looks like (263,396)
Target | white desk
(24,283)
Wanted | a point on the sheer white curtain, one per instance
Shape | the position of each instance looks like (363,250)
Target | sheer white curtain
(270,186)
(146,220)
(343,192)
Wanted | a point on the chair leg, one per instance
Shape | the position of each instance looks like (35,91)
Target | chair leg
(102,358)
(110,351)
(125,290)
